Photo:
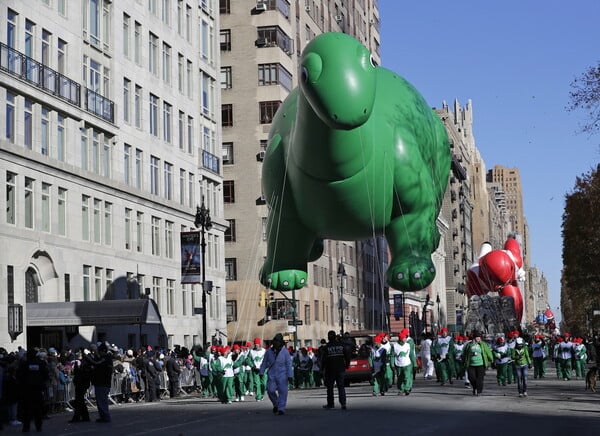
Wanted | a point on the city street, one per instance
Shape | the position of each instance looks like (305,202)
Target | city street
(554,407)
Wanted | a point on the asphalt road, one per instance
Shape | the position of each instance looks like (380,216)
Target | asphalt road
(553,407)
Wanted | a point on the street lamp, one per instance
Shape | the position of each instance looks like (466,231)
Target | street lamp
(204,223)
(437,300)
(341,273)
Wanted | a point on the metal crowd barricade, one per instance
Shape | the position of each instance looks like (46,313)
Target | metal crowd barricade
(187,379)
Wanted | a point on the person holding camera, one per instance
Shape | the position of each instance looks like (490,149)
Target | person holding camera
(102,362)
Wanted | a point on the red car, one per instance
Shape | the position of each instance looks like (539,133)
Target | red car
(360,366)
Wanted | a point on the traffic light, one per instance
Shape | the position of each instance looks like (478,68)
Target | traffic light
(271,297)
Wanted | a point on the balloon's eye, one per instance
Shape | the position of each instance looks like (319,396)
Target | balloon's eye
(373,63)
(304,74)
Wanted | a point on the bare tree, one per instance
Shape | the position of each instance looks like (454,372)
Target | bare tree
(585,95)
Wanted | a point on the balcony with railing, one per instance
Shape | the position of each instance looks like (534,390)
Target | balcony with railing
(210,162)
(39,75)
(99,105)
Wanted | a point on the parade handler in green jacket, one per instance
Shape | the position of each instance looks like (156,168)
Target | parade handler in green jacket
(477,357)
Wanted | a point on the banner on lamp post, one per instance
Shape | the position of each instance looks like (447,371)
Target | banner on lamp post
(398,306)
(190,257)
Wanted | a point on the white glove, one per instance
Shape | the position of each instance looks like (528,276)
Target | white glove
(86,351)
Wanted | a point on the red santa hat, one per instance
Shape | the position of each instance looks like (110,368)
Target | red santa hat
(257,341)
(402,336)
(236,347)
(443,330)
(248,344)
(559,339)
(377,339)
(405,331)
(567,335)
(500,339)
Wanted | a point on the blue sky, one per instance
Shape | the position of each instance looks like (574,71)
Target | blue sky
(515,59)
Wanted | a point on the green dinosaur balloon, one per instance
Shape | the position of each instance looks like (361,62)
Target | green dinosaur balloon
(354,152)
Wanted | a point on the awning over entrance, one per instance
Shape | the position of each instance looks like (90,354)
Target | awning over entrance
(80,313)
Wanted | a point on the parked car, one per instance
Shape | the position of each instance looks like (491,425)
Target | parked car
(360,367)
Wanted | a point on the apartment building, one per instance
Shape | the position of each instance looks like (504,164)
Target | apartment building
(108,146)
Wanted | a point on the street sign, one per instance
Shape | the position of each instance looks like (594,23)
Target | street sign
(298,322)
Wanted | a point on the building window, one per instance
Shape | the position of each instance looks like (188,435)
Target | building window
(139,154)
(190,135)
(228,191)
(126,99)
(126,35)
(153,53)
(230,232)
(11,200)
(45,131)
(28,137)
(191,191)
(153,115)
(155,236)
(137,43)
(190,79)
(46,47)
(226,78)
(267,110)
(85,218)
(60,137)
(264,222)
(182,178)
(231,310)
(128,242)
(227,153)
(98,282)
(169,246)
(11,29)
(206,94)
(29,204)
(181,130)
(97,220)
(225,39)
(62,56)
(231,268)
(154,175)
(167,122)
(168,182)
(46,207)
(274,74)
(127,164)
(166,11)
(180,17)
(166,66)
(10,116)
(180,73)
(227,115)
(139,232)
(62,212)
(137,107)
(107,223)
(273,36)
(188,23)
(170,290)
(224,6)
(156,292)
(307,314)
(86,282)
(96,22)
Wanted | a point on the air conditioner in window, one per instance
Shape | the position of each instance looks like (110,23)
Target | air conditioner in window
(307,8)
(338,18)
(260,156)
(347,318)
(260,6)
(354,321)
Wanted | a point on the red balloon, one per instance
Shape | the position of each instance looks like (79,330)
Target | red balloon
(474,285)
(496,269)
(515,292)
(512,245)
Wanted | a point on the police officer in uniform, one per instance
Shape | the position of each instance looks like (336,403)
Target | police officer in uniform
(335,358)
(32,376)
